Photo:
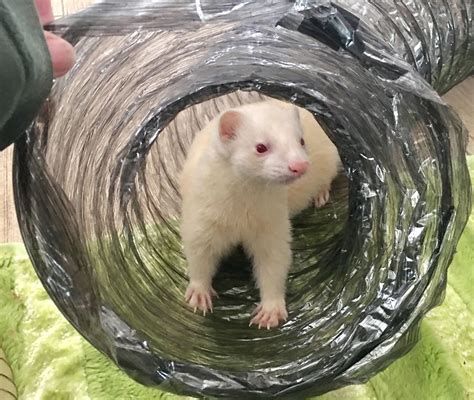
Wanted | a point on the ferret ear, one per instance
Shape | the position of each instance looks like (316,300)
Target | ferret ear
(229,123)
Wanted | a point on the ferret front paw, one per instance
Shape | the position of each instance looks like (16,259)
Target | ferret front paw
(321,198)
(269,314)
(199,297)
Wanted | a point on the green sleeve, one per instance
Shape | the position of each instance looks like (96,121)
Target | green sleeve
(25,68)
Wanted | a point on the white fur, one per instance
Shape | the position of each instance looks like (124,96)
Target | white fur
(325,165)
(231,195)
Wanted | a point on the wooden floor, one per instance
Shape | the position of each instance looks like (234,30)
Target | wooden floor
(66,7)
(461,98)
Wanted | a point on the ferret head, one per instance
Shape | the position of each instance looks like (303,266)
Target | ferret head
(264,141)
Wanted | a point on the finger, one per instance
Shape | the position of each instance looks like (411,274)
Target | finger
(45,11)
(62,54)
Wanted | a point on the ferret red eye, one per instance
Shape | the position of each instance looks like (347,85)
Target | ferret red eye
(261,148)
(302,142)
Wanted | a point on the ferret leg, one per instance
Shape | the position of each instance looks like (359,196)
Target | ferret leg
(272,258)
(202,266)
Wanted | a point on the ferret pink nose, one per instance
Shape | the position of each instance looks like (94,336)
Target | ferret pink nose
(298,167)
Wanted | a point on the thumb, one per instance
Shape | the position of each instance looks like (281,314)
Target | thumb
(62,54)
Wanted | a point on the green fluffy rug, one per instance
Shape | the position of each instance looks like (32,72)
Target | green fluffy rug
(47,359)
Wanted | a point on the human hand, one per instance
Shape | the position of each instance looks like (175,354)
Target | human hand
(62,52)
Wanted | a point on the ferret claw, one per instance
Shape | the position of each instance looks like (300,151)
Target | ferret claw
(322,198)
(269,315)
(199,298)
(256,311)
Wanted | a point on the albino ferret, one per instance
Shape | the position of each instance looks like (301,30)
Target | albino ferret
(246,173)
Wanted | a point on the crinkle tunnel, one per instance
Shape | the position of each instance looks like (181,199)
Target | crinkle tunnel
(98,201)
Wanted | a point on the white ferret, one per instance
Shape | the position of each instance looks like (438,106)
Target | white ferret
(247,172)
